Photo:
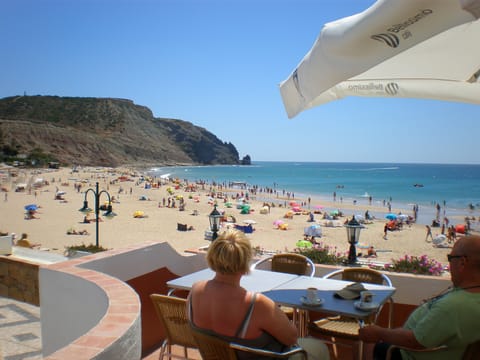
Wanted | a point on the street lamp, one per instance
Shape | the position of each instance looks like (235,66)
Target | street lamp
(214,218)
(353,235)
(85,208)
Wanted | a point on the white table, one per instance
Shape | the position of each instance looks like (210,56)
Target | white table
(256,281)
(287,289)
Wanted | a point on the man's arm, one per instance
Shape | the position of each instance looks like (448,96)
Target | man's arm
(398,336)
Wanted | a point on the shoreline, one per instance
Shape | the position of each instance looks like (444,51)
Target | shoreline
(426,213)
(56,217)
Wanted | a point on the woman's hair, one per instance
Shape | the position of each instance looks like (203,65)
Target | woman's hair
(230,253)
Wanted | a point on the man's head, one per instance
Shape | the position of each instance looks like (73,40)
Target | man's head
(465,261)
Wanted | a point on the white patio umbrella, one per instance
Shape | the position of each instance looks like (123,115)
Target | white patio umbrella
(408,48)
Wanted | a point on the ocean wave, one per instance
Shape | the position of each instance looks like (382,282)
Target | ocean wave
(381,168)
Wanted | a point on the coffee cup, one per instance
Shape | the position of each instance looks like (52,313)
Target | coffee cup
(366,297)
(312,295)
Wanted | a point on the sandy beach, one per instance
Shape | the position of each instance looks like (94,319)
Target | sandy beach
(56,217)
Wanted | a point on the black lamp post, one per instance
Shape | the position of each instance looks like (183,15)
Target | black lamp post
(85,208)
(353,235)
(214,218)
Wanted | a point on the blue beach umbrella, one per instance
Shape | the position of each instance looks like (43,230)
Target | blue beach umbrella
(313,230)
(31,207)
(391,216)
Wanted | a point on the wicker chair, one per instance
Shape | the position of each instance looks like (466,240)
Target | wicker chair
(214,348)
(172,312)
(289,263)
(292,264)
(471,352)
(345,327)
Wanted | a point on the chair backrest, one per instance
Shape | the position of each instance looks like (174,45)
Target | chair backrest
(172,312)
(369,276)
(289,263)
(363,275)
(213,348)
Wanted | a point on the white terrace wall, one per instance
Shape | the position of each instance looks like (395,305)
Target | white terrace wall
(82,314)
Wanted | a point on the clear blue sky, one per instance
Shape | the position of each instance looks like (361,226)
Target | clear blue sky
(217,64)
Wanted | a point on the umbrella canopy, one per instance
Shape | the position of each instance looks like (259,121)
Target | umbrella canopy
(440,238)
(138,213)
(249,221)
(392,49)
(31,207)
(278,222)
(391,216)
(304,244)
(403,217)
(313,230)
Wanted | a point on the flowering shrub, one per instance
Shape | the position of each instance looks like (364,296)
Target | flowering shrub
(323,254)
(420,265)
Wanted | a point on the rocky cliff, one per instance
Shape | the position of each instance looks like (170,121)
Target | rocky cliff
(103,132)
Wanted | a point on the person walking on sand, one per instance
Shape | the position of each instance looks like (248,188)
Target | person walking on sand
(429,233)
(385,230)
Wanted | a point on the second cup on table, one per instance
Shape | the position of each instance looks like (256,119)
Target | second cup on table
(312,295)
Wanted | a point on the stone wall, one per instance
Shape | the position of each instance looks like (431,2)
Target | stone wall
(19,280)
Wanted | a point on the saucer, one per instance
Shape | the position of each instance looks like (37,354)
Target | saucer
(366,306)
(317,302)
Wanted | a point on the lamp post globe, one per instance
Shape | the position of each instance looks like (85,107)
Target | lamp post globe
(353,235)
(214,218)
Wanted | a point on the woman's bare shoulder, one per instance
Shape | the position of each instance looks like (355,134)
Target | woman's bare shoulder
(263,302)
(199,285)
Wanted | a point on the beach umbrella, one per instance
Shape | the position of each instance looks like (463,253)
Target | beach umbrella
(228,204)
(283,226)
(334,212)
(392,49)
(460,228)
(313,230)
(60,193)
(318,207)
(245,209)
(360,218)
(304,244)
(31,207)
(391,216)
(402,217)
(249,221)
(278,222)
(138,214)
(440,238)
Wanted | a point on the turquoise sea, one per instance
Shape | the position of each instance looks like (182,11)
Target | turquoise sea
(454,187)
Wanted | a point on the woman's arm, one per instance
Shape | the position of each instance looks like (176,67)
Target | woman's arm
(274,321)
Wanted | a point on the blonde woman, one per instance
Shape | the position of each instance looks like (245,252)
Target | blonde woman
(221,307)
